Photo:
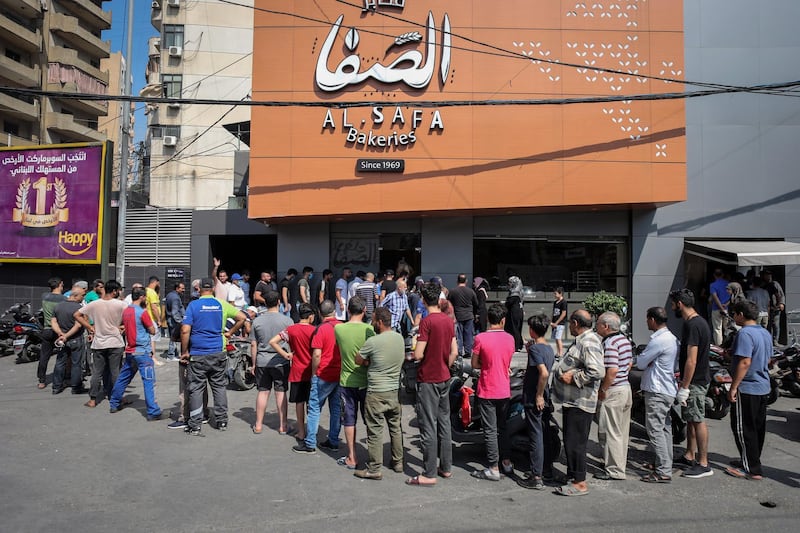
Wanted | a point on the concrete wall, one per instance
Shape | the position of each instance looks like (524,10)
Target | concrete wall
(742,155)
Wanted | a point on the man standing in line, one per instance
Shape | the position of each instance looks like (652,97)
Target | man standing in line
(153,303)
(615,398)
(49,302)
(107,345)
(235,293)
(221,283)
(465,307)
(270,369)
(138,328)
(353,285)
(388,285)
(776,304)
(397,304)
(174,310)
(577,381)
(436,350)
(750,390)
(538,407)
(264,285)
(492,356)
(350,337)
(298,337)
(287,285)
(203,348)
(326,367)
(366,291)
(70,333)
(341,293)
(659,386)
(758,295)
(694,381)
(559,319)
(719,304)
(244,284)
(97,291)
(383,355)
(327,290)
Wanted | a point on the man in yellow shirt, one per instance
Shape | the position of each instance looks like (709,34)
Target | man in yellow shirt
(153,303)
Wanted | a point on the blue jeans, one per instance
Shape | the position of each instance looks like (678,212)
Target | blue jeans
(144,365)
(465,335)
(322,390)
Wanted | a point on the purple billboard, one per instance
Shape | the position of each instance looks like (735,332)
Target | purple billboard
(51,203)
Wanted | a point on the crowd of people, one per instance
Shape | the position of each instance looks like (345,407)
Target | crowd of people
(343,343)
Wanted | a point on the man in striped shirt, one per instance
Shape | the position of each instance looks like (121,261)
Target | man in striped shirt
(614,410)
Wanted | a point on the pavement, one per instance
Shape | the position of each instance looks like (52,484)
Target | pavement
(64,466)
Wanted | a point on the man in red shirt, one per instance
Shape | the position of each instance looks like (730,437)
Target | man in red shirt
(298,336)
(436,349)
(492,354)
(326,365)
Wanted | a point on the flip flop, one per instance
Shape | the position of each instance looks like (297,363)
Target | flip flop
(342,461)
(655,478)
(414,481)
(570,490)
(484,474)
(256,431)
(742,474)
(41,385)
(446,475)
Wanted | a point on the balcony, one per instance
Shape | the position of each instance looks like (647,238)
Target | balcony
(95,108)
(20,36)
(68,29)
(89,12)
(66,56)
(19,74)
(156,15)
(6,139)
(18,109)
(69,130)
(27,9)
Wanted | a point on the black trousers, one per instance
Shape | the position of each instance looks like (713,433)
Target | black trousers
(749,425)
(48,338)
(577,423)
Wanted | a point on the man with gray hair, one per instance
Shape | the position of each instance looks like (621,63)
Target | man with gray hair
(615,398)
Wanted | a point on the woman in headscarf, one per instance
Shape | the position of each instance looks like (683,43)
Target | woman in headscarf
(481,287)
(514,313)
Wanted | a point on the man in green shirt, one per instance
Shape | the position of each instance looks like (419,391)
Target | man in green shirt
(383,355)
(350,337)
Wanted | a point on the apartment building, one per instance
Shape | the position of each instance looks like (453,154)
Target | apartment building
(54,45)
(204,52)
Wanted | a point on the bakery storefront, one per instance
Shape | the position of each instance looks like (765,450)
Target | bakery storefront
(467,136)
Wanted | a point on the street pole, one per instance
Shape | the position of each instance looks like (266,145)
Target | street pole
(123,159)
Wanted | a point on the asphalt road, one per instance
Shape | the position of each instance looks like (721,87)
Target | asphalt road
(66,467)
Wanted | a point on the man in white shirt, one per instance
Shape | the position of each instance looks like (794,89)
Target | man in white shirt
(660,389)
(235,293)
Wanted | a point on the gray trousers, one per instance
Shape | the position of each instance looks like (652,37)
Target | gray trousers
(433,415)
(105,370)
(209,368)
(493,421)
(659,429)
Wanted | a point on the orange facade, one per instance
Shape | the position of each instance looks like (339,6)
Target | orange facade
(413,64)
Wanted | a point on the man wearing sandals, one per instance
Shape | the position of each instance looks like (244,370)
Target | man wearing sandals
(577,381)
(659,386)
(749,390)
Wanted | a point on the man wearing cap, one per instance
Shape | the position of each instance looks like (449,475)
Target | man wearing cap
(174,310)
(235,293)
(203,349)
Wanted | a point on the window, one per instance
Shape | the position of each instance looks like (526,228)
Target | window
(173,85)
(158,132)
(11,127)
(173,36)
(12,55)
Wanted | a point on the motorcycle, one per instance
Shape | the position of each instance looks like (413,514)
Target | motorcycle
(784,371)
(717,404)
(465,420)
(408,372)
(638,408)
(239,365)
(6,329)
(26,333)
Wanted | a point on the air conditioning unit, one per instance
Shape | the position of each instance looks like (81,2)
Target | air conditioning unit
(174,3)
(174,105)
(170,140)
(156,4)
(175,51)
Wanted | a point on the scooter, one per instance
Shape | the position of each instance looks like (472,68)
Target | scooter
(717,404)
(408,372)
(26,332)
(638,407)
(785,371)
(239,364)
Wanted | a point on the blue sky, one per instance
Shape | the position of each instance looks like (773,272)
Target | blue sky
(142,31)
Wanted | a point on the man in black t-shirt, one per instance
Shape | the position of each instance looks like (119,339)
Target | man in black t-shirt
(559,320)
(693,386)
(69,333)
(287,285)
(388,285)
(465,308)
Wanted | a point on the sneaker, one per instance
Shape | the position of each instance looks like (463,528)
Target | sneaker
(302,448)
(178,424)
(160,416)
(222,426)
(531,482)
(326,445)
(80,390)
(698,471)
(507,469)
(205,420)
(683,462)
(195,432)
(113,410)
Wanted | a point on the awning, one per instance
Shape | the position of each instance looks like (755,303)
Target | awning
(747,253)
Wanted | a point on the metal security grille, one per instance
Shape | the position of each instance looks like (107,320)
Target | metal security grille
(158,237)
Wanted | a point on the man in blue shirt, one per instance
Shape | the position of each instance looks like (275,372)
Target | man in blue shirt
(749,390)
(203,349)
(719,304)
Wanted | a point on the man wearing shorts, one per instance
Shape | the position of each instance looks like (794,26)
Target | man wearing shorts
(298,337)
(694,381)
(350,337)
(270,369)
(559,319)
